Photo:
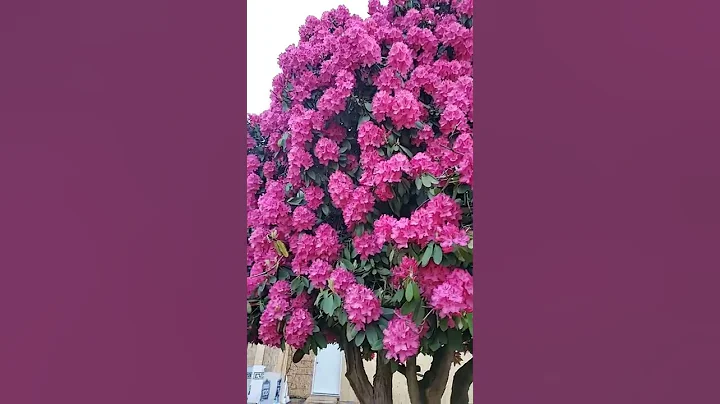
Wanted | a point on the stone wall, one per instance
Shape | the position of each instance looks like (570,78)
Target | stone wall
(300,376)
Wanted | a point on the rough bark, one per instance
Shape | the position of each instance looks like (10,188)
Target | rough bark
(461,384)
(356,375)
(435,380)
(382,383)
(412,381)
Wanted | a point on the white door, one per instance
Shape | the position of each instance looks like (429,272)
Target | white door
(328,371)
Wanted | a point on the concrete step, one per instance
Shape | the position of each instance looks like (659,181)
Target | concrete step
(321,400)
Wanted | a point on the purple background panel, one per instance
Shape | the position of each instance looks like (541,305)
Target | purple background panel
(121,203)
(598,187)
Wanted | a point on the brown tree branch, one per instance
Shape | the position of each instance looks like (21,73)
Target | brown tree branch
(382,382)
(356,374)
(461,384)
(435,379)
(412,382)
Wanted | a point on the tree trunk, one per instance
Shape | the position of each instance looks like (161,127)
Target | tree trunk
(380,392)
(356,374)
(382,382)
(435,380)
(412,381)
(461,384)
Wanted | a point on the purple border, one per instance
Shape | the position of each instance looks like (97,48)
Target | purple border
(121,212)
(597,202)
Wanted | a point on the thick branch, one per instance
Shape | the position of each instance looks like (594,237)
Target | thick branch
(412,382)
(356,374)
(461,384)
(435,379)
(382,382)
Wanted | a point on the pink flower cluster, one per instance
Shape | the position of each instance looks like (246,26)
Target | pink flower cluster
(298,327)
(412,72)
(361,305)
(407,269)
(401,338)
(454,296)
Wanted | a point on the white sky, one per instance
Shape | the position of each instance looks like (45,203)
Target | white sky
(272,27)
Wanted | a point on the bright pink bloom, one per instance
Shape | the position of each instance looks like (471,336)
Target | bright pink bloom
(371,135)
(298,328)
(319,273)
(406,270)
(383,228)
(303,218)
(313,196)
(280,291)
(366,245)
(401,338)
(277,308)
(400,58)
(326,151)
(454,296)
(341,281)
(362,306)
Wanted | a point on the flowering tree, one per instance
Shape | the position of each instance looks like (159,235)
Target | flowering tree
(360,196)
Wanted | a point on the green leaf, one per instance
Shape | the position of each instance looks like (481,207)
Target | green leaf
(283,139)
(368,107)
(419,125)
(419,314)
(347,264)
(296,285)
(384,271)
(468,320)
(442,338)
(281,249)
(409,307)
(406,151)
(284,273)
(398,295)
(362,120)
(350,332)
(298,355)
(373,334)
(426,181)
(326,210)
(454,339)
(416,291)
(342,317)
(337,301)
(418,183)
(444,324)
(328,305)
(321,340)
(249,308)
(360,338)
(437,254)
(428,253)
(409,292)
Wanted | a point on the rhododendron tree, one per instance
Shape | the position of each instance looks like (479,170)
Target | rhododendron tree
(359,196)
